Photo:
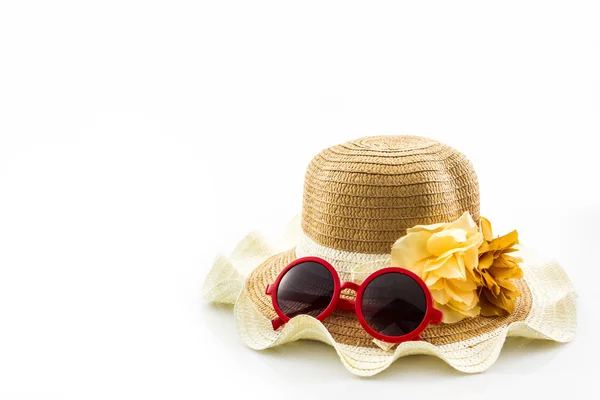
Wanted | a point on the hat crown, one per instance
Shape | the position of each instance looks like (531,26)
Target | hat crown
(362,195)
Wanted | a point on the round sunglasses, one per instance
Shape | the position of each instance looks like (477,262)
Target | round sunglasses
(392,304)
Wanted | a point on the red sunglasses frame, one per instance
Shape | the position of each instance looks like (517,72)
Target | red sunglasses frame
(432,315)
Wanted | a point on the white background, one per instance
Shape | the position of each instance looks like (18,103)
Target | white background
(140,138)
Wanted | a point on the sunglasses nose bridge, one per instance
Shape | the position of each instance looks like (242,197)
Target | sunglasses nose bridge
(345,304)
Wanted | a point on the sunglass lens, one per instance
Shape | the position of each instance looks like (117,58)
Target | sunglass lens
(307,288)
(393,304)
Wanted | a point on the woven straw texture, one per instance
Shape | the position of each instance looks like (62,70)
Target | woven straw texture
(359,198)
(546,310)
(362,195)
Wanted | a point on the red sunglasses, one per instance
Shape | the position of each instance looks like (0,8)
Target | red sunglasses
(392,304)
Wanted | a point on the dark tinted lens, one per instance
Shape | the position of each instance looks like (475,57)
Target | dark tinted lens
(394,304)
(307,288)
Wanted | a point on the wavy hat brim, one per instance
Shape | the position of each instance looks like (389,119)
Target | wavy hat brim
(546,310)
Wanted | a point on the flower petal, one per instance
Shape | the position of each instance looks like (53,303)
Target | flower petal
(508,285)
(410,249)
(466,223)
(506,241)
(490,310)
(505,273)
(505,262)
(486,261)
(463,296)
(433,281)
(467,284)
(440,296)
(433,264)
(446,240)
(501,301)
(451,269)
(486,229)
(451,314)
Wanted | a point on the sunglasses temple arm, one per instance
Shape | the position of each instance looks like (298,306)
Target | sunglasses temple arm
(435,317)
(277,323)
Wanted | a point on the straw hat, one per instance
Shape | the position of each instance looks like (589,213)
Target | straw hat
(359,198)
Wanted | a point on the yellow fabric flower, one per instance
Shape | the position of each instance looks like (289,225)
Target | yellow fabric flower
(444,256)
(496,270)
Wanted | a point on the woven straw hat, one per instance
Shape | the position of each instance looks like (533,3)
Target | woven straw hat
(359,198)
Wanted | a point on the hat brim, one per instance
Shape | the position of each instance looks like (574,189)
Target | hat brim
(546,310)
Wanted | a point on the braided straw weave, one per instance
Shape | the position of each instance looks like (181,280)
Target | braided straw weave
(362,195)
